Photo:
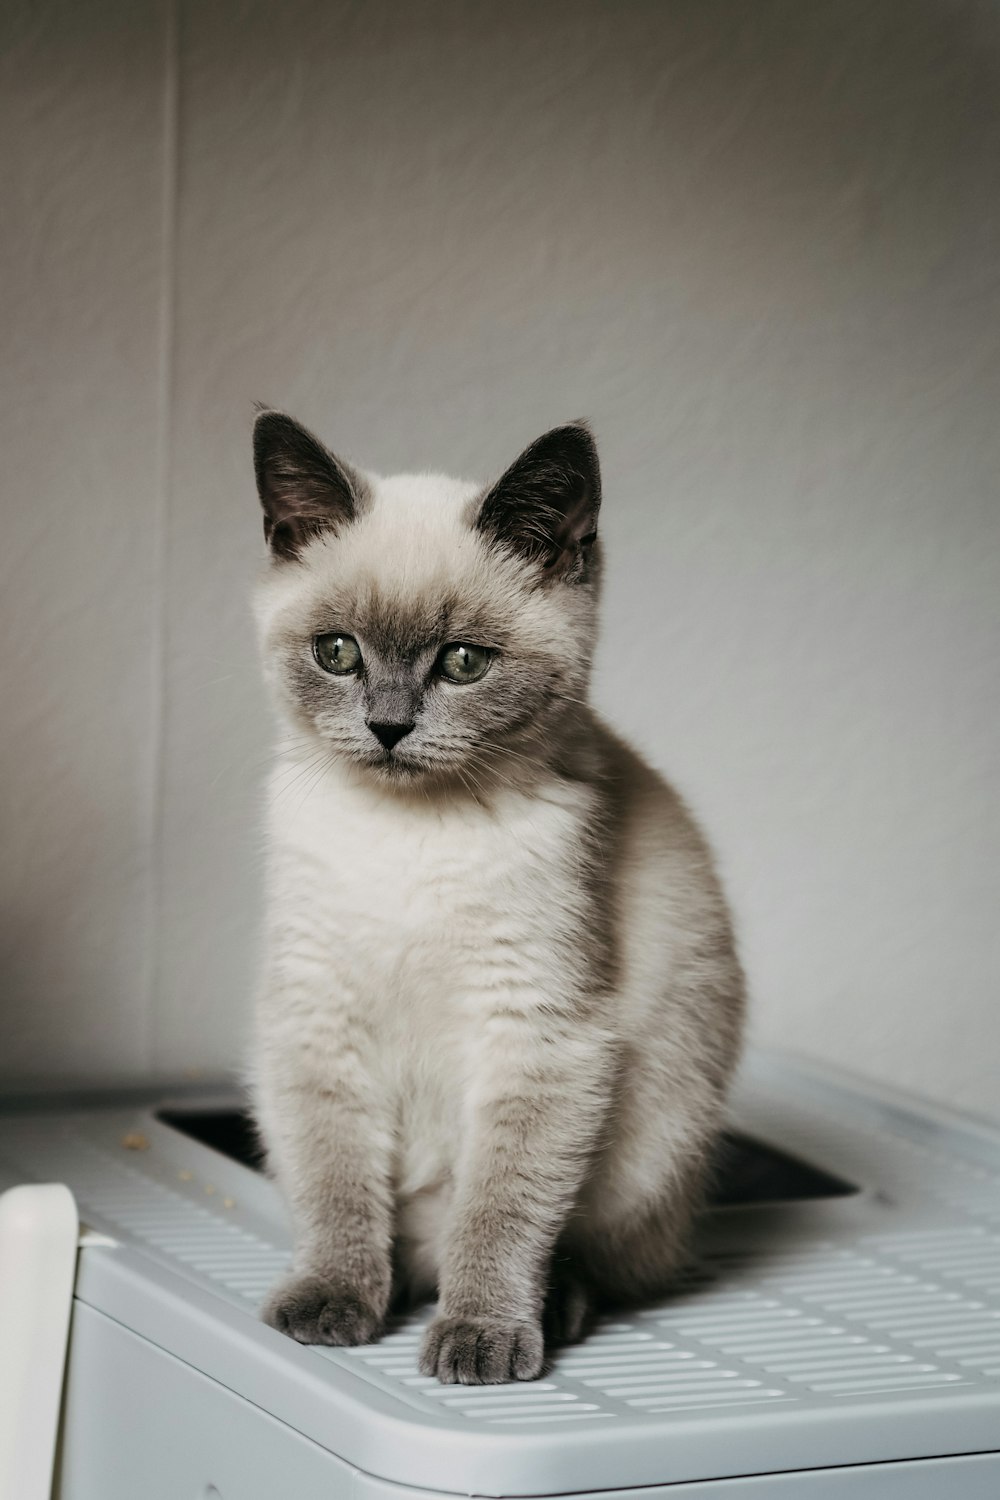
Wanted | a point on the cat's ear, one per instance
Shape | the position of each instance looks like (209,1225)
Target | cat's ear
(545,506)
(303,488)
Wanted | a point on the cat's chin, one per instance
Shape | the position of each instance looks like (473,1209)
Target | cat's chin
(396,773)
(391,770)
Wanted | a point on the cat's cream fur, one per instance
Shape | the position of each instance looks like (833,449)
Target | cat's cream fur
(501,1002)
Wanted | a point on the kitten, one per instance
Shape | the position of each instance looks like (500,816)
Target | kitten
(501,1001)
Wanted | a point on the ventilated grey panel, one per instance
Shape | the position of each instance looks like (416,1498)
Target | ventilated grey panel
(123,1190)
(874,1306)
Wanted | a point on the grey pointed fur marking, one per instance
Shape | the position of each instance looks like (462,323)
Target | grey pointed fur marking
(545,506)
(481,1351)
(304,489)
(321,1310)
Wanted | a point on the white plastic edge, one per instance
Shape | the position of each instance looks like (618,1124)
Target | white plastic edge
(38,1240)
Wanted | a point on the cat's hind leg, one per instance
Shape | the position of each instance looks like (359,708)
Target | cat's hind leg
(570,1306)
(630,1234)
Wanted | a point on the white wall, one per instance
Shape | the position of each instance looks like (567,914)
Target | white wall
(758,244)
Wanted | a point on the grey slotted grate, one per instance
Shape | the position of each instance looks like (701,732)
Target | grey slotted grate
(779,1326)
(967,1330)
(800,1318)
(756,1331)
(970,1255)
(128,1199)
(620,1367)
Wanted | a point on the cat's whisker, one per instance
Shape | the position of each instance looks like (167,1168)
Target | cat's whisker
(317,764)
(272,759)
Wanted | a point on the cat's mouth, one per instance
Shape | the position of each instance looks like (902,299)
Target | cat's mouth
(392,766)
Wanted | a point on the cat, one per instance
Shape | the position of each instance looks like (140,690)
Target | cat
(501,1001)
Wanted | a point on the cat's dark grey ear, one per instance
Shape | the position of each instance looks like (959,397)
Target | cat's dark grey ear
(303,487)
(545,506)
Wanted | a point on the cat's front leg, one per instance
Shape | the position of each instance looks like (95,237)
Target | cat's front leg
(535,1109)
(329,1141)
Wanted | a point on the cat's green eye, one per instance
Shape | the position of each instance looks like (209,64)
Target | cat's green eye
(336,653)
(464,663)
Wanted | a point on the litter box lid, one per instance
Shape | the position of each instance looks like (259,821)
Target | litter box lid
(856,1328)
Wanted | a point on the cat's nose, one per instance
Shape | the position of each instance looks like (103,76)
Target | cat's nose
(389,734)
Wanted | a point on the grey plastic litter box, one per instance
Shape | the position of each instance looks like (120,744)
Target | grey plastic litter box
(840,1336)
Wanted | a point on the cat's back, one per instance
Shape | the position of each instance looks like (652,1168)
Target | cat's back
(653,824)
(673,916)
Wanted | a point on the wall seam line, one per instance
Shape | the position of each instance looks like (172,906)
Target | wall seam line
(160,542)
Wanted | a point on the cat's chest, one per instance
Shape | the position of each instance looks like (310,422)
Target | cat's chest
(427,884)
(415,919)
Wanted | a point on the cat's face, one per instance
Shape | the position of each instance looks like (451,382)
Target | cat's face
(422,627)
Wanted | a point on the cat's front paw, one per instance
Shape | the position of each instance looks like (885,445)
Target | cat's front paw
(321,1310)
(481,1351)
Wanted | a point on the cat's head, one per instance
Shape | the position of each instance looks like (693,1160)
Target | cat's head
(425,627)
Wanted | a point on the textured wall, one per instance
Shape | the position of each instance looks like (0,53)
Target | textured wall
(82,281)
(759,245)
